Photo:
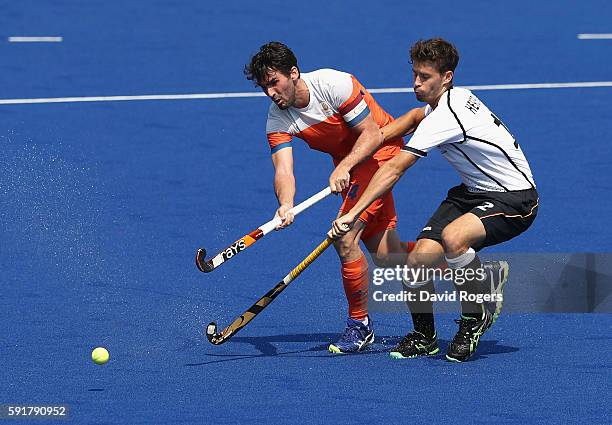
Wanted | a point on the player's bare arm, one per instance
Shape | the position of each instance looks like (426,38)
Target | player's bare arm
(284,185)
(370,138)
(383,181)
(404,125)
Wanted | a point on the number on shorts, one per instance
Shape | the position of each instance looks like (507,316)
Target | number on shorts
(486,206)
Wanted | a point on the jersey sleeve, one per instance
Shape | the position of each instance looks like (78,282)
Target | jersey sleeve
(348,98)
(439,127)
(277,131)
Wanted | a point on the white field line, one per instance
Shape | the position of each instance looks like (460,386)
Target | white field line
(594,36)
(126,98)
(260,94)
(17,39)
(510,87)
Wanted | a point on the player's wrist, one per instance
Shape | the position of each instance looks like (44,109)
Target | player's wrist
(344,167)
(384,133)
(356,211)
(350,216)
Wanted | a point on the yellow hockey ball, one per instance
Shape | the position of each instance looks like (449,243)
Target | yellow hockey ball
(100,355)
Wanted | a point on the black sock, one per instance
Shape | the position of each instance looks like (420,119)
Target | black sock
(422,311)
(471,286)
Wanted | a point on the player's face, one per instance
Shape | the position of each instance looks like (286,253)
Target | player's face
(281,88)
(429,84)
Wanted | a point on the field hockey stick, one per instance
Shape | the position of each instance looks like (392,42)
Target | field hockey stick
(255,309)
(249,239)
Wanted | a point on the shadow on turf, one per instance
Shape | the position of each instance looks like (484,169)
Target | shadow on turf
(382,345)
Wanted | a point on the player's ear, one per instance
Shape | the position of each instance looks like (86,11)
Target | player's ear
(294,74)
(448,77)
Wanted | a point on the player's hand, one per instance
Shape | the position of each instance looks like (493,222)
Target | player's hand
(341,226)
(285,215)
(339,180)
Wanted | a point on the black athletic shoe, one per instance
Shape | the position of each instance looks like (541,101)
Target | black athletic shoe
(497,276)
(466,339)
(415,344)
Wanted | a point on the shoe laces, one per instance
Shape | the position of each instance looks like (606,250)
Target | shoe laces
(351,333)
(411,339)
(466,326)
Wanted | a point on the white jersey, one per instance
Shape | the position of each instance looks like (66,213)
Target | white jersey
(474,141)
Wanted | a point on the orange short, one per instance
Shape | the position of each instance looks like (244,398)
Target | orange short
(380,215)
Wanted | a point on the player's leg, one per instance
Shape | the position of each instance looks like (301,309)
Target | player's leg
(359,332)
(422,341)
(489,222)
(427,253)
(354,266)
(354,269)
(379,217)
(380,235)
(458,238)
(385,247)
(382,241)
(504,216)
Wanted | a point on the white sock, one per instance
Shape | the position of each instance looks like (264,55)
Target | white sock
(463,260)
(414,284)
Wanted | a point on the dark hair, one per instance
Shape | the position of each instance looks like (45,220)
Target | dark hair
(438,51)
(271,56)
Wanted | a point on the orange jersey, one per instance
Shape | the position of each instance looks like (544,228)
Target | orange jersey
(338,102)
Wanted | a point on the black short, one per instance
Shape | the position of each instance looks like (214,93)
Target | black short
(503,214)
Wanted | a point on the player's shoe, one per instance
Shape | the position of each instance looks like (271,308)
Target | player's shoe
(415,344)
(356,337)
(466,339)
(497,276)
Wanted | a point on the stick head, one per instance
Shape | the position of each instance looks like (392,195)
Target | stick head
(201,263)
(211,334)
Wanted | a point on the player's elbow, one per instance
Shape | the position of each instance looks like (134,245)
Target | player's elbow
(389,175)
(396,169)
(284,174)
(283,177)
(283,168)
(396,174)
(378,136)
(374,134)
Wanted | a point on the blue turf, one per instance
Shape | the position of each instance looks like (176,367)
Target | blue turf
(102,206)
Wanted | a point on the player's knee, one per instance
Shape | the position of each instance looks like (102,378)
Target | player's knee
(382,260)
(346,247)
(425,253)
(418,258)
(452,240)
